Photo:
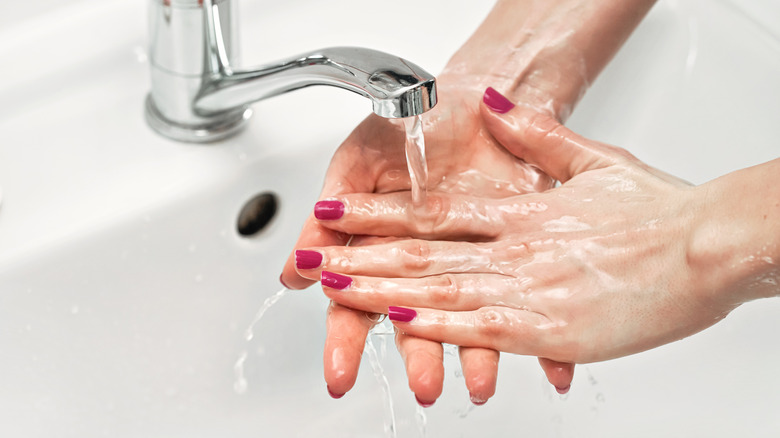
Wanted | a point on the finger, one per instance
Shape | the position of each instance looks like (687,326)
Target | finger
(445,216)
(480,371)
(539,139)
(355,168)
(454,292)
(312,234)
(559,374)
(424,362)
(516,331)
(410,258)
(346,336)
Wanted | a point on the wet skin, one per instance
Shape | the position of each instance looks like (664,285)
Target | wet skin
(544,54)
(619,259)
(462,158)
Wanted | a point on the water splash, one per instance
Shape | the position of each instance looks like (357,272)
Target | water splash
(241,384)
(270,301)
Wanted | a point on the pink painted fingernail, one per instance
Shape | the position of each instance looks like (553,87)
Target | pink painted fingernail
(496,101)
(335,281)
(334,395)
(281,280)
(476,400)
(563,390)
(307,259)
(424,403)
(400,314)
(328,210)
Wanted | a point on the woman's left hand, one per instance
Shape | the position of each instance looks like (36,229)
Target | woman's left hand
(594,269)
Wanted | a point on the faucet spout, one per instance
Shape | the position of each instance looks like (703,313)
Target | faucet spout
(197,95)
(395,86)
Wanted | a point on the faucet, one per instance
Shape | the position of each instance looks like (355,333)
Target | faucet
(197,96)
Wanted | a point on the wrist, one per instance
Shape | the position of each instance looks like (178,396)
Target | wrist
(735,247)
(545,54)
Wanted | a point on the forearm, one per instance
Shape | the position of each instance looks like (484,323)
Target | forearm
(546,53)
(736,246)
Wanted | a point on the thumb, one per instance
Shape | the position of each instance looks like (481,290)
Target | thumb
(541,140)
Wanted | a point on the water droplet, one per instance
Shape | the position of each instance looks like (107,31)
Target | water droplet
(592,380)
(140,55)
(600,397)
(463,413)
(74,309)
(422,420)
(241,385)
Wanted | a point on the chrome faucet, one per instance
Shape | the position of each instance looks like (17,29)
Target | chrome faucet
(197,96)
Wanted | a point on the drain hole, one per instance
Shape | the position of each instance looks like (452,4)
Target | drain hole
(256,214)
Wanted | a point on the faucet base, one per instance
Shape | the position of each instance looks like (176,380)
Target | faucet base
(224,126)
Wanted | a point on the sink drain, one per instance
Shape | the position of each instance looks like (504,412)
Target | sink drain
(256,214)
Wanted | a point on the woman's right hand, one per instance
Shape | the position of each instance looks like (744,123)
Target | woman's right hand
(619,259)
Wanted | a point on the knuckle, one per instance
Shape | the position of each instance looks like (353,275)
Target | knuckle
(435,217)
(439,319)
(443,292)
(542,128)
(415,256)
(491,323)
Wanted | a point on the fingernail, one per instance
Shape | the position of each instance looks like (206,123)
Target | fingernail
(424,403)
(563,390)
(496,101)
(400,314)
(335,281)
(282,281)
(307,259)
(334,395)
(328,210)
(476,400)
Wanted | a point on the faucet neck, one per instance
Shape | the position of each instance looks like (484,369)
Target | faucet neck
(197,96)
(191,42)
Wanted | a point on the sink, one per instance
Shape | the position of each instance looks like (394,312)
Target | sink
(126,290)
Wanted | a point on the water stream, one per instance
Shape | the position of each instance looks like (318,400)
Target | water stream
(415,160)
(241,385)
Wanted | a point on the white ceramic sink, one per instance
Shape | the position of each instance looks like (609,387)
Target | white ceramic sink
(125,289)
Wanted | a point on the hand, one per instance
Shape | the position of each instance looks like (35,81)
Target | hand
(545,54)
(597,268)
(462,158)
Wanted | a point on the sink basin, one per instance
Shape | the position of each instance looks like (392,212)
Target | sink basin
(126,290)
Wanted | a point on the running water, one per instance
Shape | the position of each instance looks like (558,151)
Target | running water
(415,160)
(241,385)
(381,378)
(381,331)
(270,301)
